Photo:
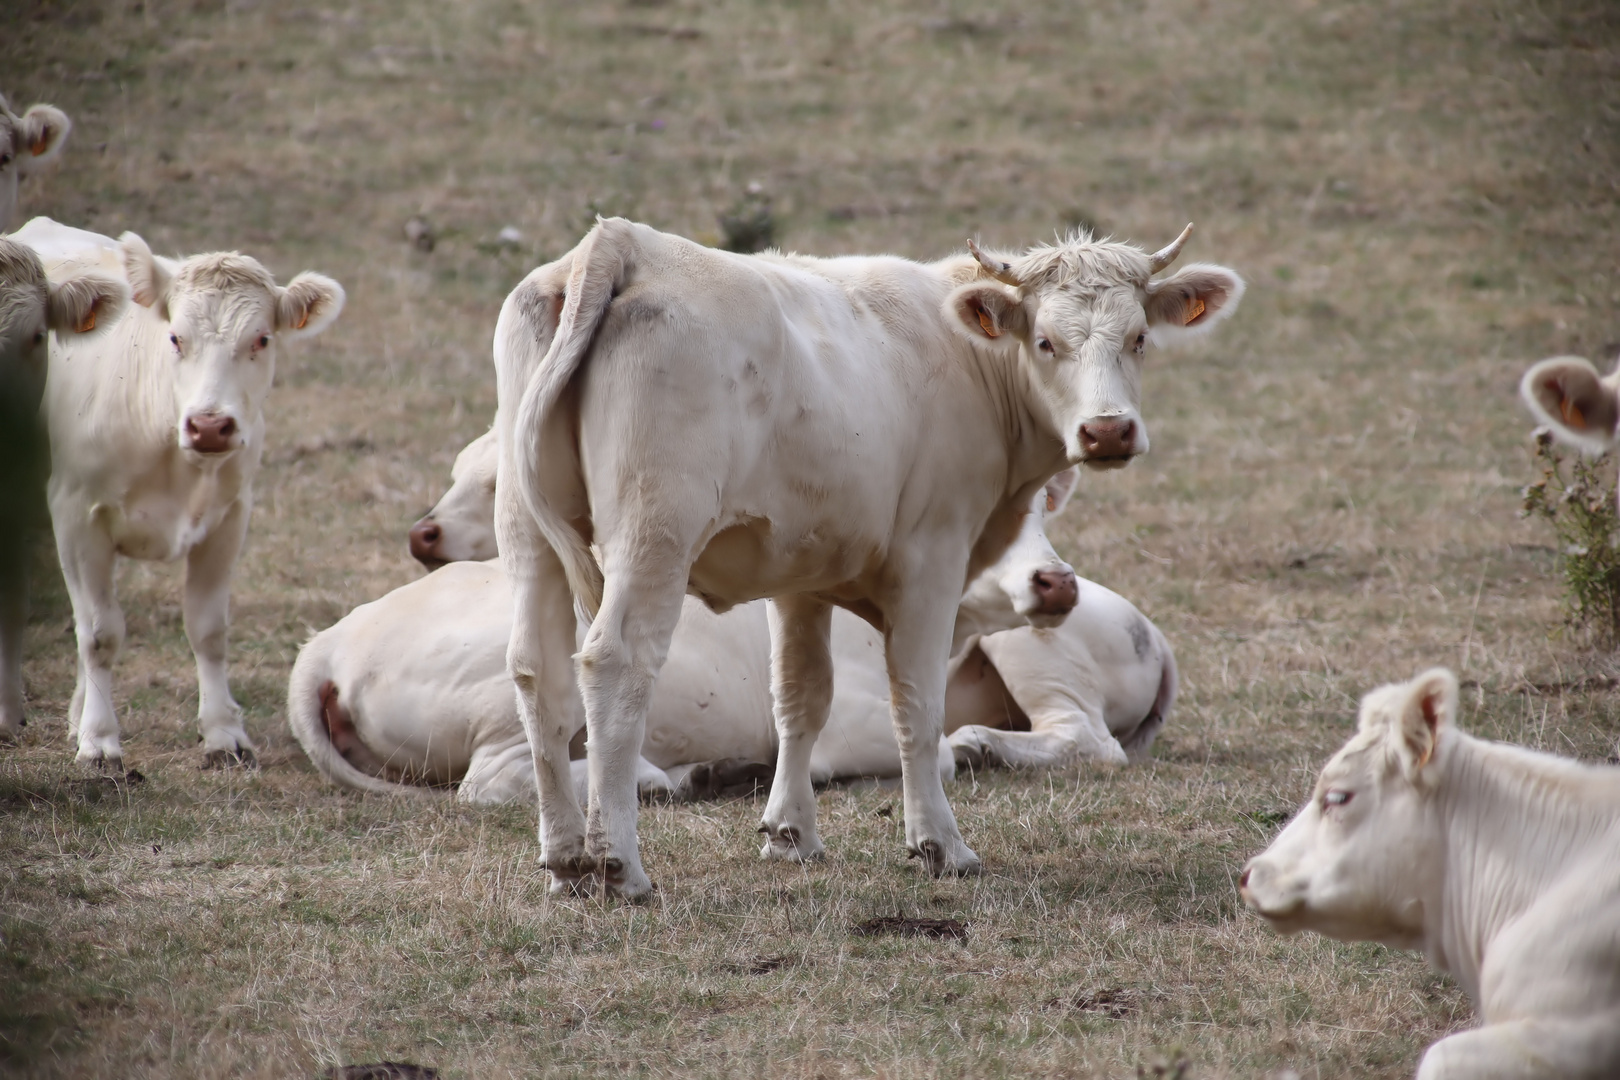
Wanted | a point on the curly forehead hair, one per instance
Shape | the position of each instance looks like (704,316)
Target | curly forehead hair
(1080,258)
(224,270)
(22,278)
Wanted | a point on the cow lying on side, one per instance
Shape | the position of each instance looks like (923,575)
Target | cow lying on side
(1497,861)
(156,429)
(27,142)
(1097,685)
(411,686)
(32,306)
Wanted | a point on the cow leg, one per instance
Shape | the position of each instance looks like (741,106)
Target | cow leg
(802,689)
(918,646)
(622,654)
(207,610)
(540,658)
(86,554)
(13,625)
(1584,1048)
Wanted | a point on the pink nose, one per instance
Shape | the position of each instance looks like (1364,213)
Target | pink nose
(210,433)
(1243,881)
(425,538)
(1108,438)
(1057,590)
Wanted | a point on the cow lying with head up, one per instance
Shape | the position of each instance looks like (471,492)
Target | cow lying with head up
(861,432)
(27,143)
(69,303)
(156,428)
(1498,862)
(410,688)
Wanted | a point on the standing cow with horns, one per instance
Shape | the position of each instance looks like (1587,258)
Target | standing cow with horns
(864,432)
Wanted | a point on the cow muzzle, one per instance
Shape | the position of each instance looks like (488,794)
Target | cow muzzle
(426,540)
(1109,442)
(211,433)
(1056,591)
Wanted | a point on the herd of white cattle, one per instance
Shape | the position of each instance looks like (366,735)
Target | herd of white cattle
(771,519)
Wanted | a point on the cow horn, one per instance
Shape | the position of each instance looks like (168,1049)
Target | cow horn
(1167,254)
(1001,271)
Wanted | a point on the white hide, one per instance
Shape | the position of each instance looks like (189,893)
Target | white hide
(461,525)
(27,143)
(156,430)
(864,432)
(1498,862)
(33,306)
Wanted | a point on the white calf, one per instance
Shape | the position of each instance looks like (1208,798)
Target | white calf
(156,430)
(1498,862)
(461,526)
(27,142)
(32,306)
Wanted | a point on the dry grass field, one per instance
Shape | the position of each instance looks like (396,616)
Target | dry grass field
(1423,196)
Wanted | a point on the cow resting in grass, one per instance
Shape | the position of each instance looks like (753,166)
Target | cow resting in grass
(27,143)
(156,430)
(32,306)
(412,688)
(858,432)
(1497,861)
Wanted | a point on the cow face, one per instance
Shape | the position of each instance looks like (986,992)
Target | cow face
(1581,407)
(26,143)
(31,305)
(1030,584)
(1359,860)
(225,317)
(461,526)
(1081,315)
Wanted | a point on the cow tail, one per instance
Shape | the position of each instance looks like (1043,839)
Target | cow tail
(306,705)
(600,263)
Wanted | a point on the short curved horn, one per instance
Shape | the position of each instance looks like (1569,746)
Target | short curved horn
(1167,254)
(1001,271)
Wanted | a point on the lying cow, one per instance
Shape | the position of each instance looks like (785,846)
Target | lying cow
(854,432)
(72,302)
(156,429)
(27,143)
(412,688)
(1497,861)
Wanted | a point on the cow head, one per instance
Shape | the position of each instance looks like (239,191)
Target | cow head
(1581,407)
(26,143)
(70,302)
(1081,314)
(1359,860)
(225,317)
(461,526)
(1030,584)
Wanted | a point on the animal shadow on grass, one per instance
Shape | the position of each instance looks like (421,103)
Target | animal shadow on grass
(381,1070)
(942,929)
(69,791)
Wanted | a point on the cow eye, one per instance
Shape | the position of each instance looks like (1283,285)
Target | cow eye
(1141,341)
(174,339)
(1337,797)
(1044,345)
(39,336)
(263,342)
(5,159)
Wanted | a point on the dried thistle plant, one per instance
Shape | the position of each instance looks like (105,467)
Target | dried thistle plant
(1581,508)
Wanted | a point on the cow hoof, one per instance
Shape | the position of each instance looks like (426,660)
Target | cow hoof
(969,756)
(940,864)
(228,759)
(624,881)
(101,760)
(789,844)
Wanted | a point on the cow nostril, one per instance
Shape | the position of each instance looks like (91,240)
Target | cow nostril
(1243,879)
(431,534)
(228,428)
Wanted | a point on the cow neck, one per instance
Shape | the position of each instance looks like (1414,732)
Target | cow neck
(1511,820)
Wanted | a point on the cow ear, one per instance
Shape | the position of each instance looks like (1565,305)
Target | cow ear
(85,303)
(149,276)
(1428,705)
(1191,301)
(1059,488)
(307,305)
(43,132)
(1567,394)
(989,313)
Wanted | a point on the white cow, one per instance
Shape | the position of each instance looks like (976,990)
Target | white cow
(1497,861)
(27,143)
(461,526)
(156,430)
(862,432)
(413,689)
(72,302)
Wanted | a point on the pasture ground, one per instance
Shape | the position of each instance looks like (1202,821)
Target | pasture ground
(1423,197)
